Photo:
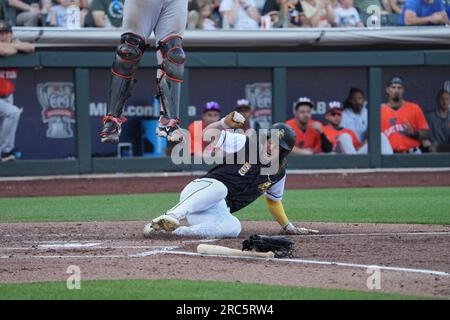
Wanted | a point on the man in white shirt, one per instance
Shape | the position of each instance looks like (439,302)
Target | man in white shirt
(355,117)
(355,114)
(240,14)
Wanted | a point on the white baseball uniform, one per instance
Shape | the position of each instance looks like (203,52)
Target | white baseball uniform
(203,202)
(9,120)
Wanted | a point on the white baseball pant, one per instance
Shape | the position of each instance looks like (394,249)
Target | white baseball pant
(202,203)
(9,119)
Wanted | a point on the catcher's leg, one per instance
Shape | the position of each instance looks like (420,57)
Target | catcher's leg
(216,222)
(171,58)
(168,85)
(126,62)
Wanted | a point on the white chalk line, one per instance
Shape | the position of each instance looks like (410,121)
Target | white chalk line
(84,247)
(318,262)
(438,233)
(299,261)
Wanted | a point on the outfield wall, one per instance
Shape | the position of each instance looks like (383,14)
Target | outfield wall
(77,80)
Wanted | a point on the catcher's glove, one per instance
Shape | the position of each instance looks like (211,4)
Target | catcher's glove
(280,246)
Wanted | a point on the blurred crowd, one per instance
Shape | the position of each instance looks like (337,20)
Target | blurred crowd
(236,14)
(405,128)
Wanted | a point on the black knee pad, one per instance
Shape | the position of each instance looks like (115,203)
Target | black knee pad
(128,54)
(173,58)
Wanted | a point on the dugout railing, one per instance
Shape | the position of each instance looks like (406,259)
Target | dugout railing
(277,61)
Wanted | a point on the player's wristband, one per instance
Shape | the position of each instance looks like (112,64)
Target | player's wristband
(223,124)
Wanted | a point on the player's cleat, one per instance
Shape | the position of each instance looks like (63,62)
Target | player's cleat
(170,130)
(165,222)
(112,127)
(148,231)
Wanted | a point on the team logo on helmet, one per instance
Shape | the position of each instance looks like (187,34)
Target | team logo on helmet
(280,133)
(263,187)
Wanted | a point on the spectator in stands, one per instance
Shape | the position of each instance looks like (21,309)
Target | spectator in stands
(346,15)
(107,13)
(58,14)
(403,122)
(397,6)
(9,113)
(355,114)
(240,14)
(439,121)
(243,107)
(310,136)
(363,5)
(277,10)
(206,20)
(318,13)
(344,140)
(423,12)
(28,12)
(355,118)
(193,14)
(210,114)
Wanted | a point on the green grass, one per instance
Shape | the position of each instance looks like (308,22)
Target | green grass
(179,290)
(430,205)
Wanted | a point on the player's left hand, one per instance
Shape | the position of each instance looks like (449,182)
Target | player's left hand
(293,230)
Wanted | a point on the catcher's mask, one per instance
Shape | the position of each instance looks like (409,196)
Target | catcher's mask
(286,138)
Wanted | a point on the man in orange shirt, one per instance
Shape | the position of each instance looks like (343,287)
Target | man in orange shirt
(403,122)
(211,113)
(344,140)
(310,136)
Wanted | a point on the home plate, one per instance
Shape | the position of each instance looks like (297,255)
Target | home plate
(68,245)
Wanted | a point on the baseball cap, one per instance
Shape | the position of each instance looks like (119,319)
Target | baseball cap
(396,80)
(302,101)
(5,27)
(211,105)
(335,106)
(242,104)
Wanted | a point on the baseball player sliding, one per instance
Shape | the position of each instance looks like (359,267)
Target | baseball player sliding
(167,18)
(207,203)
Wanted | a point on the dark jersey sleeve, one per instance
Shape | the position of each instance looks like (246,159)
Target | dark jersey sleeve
(327,146)
(270,5)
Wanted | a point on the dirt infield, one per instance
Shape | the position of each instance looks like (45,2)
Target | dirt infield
(88,186)
(337,258)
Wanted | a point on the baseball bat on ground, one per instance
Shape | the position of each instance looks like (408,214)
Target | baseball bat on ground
(209,249)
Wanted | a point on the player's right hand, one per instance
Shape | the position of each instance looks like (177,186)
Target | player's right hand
(293,230)
(316,125)
(233,120)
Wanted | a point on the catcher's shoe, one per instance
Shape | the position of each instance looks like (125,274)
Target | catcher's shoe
(170,129)
(165,222)
(112,127)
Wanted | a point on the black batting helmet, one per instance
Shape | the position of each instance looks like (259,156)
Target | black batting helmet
(286,135)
